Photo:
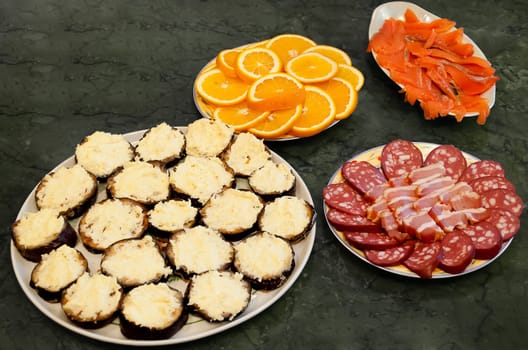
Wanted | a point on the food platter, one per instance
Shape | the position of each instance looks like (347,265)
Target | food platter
(196,328)
(373,156)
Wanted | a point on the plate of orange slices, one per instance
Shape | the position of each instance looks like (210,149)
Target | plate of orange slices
(283,88)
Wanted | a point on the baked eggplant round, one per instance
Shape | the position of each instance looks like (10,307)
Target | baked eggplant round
(162,143)
(246,154)
(207,137)
(171,216)
(272,180)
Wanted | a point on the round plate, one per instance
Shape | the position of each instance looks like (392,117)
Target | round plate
(373,156)
(195,328)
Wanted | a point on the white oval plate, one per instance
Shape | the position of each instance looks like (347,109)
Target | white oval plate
(396,9)
(373,156)
(196,328)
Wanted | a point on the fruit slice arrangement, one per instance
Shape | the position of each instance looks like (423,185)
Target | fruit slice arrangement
(286,86)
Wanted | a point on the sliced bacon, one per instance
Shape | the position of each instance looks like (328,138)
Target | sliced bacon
(426,173)
(399,181)
(424,258)
(388,221)
(457,252)
(459,187)
(476,215)
(376,192)
(438,184)
(465,200)
(400,191)
(448,220)
(374,210)
(423,227)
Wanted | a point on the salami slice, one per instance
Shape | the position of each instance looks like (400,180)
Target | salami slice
(343,197)
(350,222)
(391,256)
(457,252)
(451,158)
(362,175)
(482,168)
(424,258)
(399,157)
(507,223)
(486,183)
(503,199)
(486,239)
(370,240)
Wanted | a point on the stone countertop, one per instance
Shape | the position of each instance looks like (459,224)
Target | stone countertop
(69,68)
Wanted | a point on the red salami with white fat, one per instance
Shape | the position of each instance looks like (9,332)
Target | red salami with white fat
(351,222)
(399,157)
(507,223)
(451,158)
(362,175)
(343,197)
(424,258)
(457,252)
(486,183)
(482,168)
(370,240)
(502,199)
(486,239)
(392,256)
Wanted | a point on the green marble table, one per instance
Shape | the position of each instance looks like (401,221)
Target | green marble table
(68,68)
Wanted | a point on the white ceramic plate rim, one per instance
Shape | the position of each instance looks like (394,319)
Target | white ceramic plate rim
(195,328)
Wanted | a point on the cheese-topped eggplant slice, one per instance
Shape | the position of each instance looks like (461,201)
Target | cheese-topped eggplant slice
(38,233)
(218,295)
(69,190)
(135,261)
(112,220)
(265,260)
(246,154)
(56,271)
(272,179)
(162,143)
(143,182)
(199,249)
(152,311)
(288,217)
(171,216)
(102,153)
(92,301)
(207,137)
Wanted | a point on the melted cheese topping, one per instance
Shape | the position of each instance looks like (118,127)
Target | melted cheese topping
(155,306)
(172,215)
(160,143)
(101,153)
(134,262)
(207,138)
(38,228)
(200,249)
(59,268)
(246,154)
(232,210)
(200,177)
(219,293)
(263,256)
(141,181)
(272,178)
(286,216)
(65,188)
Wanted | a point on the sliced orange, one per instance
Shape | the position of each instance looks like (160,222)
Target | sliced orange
(352,75)
(288,46)
(226,61)
(338,55)
(240,116)
(275,92)
(343,94)
(318,113)
(217,88)
(254,63)
(277,123)
(311,67)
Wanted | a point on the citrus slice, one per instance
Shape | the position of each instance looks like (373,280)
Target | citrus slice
(275,92)
(257,62)
(311,67)
(217,88)
(226,61)
(343,94)
(277,123)
(288,46)
(352,75)
(337,55)
(318,113)
(240,116)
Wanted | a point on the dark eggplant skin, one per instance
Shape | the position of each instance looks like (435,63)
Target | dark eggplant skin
(134,331)
(269,284)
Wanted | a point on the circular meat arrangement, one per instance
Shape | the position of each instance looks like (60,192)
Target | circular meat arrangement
(435,214)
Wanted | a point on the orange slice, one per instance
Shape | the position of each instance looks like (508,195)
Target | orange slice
(343,94)
(226,61)
(288,46)
(337,55)
(241,117)
(217,88)
(275,92)
(352,75)
(311,67)
(254,63)
(277,123)
(318,113)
